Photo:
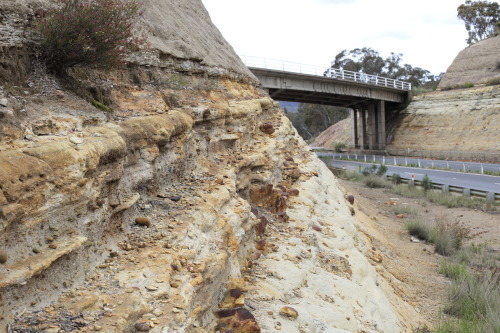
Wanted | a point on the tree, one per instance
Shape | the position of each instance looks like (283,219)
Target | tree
(89,32)
(369,61)
(482,19)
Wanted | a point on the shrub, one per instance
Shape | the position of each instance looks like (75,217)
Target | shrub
(396,178)
(373,181)
(101,106)
(89,32)
(340,146)
(453,271)
(468,85)
(369,170)
(426,183)
(420,229)
(476,299)
(382,169)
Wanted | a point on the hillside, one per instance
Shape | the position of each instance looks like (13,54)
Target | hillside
(192,206)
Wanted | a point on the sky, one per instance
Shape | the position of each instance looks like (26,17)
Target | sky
(427,32)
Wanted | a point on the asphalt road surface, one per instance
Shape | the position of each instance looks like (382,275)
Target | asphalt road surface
(467,180)
(412,162)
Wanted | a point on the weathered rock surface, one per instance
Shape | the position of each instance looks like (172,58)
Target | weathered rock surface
(339,132)
(461,120)
(175,212)
(477,64)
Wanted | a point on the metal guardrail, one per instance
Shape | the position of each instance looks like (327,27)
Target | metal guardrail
(466,167)
(338,74)
(488,196)
(447,155)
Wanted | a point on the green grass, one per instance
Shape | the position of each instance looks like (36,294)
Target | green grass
(420,229)
(474,293)
(452,270)
(374,181)
(452,201)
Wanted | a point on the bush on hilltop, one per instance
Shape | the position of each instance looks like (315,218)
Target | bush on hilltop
(89,32)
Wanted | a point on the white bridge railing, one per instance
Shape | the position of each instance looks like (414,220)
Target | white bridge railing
(333,73)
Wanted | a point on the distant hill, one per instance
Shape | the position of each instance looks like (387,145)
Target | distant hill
(290,106)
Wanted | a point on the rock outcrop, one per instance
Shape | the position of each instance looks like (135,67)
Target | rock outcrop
(339,132)
(460,120)
(476,64)
(193,206)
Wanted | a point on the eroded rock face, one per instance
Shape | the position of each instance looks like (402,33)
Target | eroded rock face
(477,64)
(175,212)
(460,120)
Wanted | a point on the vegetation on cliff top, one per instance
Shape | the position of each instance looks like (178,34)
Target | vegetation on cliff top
(94,32)
(482,19)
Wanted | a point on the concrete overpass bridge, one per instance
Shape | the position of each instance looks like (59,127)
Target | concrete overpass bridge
(373,100)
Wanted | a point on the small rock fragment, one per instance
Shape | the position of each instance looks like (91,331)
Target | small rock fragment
(350,198)
(3,257)
(289,312)
(316,227)
(142,326)
(157,312)
(352,210)
(267,128)
(293,192)
(151,288)
(76,140)
(144,221)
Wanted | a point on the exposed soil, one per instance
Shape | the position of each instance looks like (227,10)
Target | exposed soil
(412,267)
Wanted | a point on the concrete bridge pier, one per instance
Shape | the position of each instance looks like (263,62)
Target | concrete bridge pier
(381,125)
(368,126)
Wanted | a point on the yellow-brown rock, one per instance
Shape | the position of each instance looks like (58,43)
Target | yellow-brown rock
(289,312)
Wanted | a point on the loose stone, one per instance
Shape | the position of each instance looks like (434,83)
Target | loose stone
(142,326)
(144,221)
(350,198)
(76,140)
(289,312)
(3,257)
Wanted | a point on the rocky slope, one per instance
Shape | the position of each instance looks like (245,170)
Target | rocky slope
(476,64)
(337,133)
(192,207)
(461,120)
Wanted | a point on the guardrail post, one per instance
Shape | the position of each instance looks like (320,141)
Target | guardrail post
(466,192)
(490,197)
(419,163)
(482,169)
(365,158)
(445,188)
(464,167)
(406,161)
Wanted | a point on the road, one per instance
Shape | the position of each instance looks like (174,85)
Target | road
(413,162)
(467,180)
